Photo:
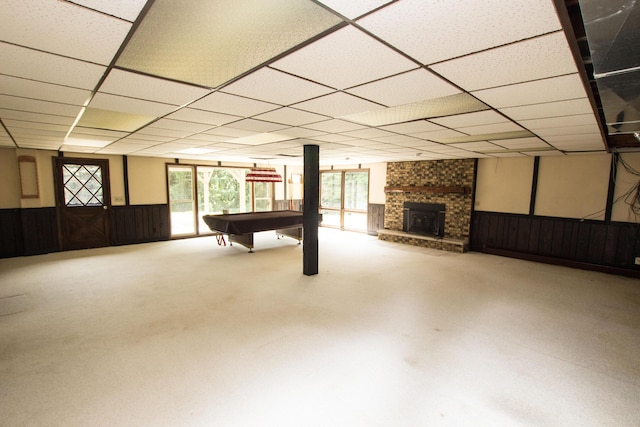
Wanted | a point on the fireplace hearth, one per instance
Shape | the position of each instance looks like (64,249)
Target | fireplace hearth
(424,219)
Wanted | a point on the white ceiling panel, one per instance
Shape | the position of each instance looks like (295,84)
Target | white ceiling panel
(345,58)
(298,132)
(229,132)
(593,137)
(568,130)
(277,87)
(354,9)
(533,59)
(333,137)
(36,117)
(256,125)
(543,153)
(233,105)
(413,86)
(31,125)
(260,138)
(334,125)
(123,104)
(536,92)
(63,28)
(43,91)
(492,128)
(368,133)
(181,125)
(435,31)
(49,68)
(549,109)
(37,106)
(133,85)
(521,143)
(291,117)
(400,140)
(439,135)
(481,146)
(416,126)
(337,104)
(554,122)
(211,43)
(471,119)
(125,9)
(201,116)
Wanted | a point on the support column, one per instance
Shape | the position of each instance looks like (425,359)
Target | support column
(311,207)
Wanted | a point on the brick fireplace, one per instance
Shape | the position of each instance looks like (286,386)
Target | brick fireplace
(445,183)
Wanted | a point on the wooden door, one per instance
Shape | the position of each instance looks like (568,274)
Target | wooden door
(83,202)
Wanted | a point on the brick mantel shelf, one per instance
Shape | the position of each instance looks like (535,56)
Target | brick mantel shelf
(428,189)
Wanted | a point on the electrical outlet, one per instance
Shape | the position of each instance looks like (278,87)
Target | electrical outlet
(638,260)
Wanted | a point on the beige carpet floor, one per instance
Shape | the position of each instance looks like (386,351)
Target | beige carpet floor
(187,333)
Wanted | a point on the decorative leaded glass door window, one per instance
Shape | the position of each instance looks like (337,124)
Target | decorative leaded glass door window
(82,185)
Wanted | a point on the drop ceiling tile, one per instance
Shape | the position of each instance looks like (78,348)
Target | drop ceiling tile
(424,30)
(180,125)
(36,117)
(444,106)
(536,92)
(45,67)
(229,132)
(354,9)
(471,119)
(438,135)
(533,59)
(43,91)
(334,125)
(368,133)
(333,137)
(298,132)
(63,28)
(142,136)
(345,58)
(134,85)
(568,130)
(492,128)
(82,140)
(123,104)
(554,122)
(413,86)
(416,126)
(170,134)
(114,120)
(260,138)
(211,43)
(201,116)
(233,105)
(401,140)
(507,154)
(10,123)
(521,143)
(267,84)
(291,117)
(121,148)
(588,138)
(256,125)
(37,106)
(125,9)
(481,146)
(549,109)
(337,104)
(544,153)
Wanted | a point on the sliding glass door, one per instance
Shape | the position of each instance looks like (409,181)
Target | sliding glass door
(344,198)
(195,191)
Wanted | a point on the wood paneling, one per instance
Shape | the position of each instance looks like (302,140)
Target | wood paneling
(559,240)
(39,231)
(10,233)
(375,218)
(139,224)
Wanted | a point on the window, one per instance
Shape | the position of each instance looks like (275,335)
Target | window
(195,191)
(344,198)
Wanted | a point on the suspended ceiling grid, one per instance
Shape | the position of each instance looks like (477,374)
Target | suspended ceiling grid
(253,81)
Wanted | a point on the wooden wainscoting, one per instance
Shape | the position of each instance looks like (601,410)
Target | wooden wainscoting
(10,233)
(610,247)
(139,224)
(375,218)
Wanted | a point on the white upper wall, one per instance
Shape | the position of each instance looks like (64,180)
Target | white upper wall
(504,185)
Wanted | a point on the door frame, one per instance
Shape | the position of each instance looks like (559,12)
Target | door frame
(63,213)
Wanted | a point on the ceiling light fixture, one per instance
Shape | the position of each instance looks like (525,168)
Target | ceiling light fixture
(263,175)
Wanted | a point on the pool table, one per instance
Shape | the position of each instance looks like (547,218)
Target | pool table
(241,226)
